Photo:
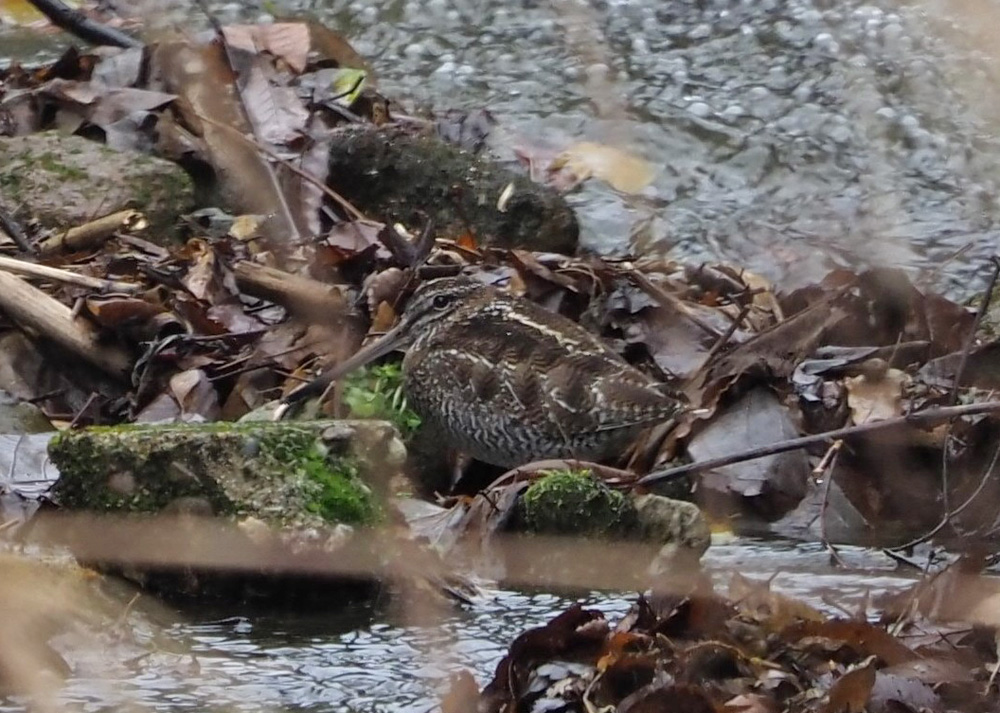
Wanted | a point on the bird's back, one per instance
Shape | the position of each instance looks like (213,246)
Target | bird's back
(510,382)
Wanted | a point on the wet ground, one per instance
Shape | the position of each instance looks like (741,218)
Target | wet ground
(358,660)
(789,136)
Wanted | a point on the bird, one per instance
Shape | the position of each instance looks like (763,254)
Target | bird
(506,381)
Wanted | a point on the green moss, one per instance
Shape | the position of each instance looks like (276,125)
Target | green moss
(52,163)
(275,471)
(377,392)
(337,493)
(567,502)
(129,473)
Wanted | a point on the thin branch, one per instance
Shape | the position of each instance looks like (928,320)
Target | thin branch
(55,274)
(9,225)
(984,305)
(931,415)
(953,396)
(305,175)
(78,24)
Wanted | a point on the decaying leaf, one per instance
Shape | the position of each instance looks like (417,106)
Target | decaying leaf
(623,171)
(775,482)
(876,395)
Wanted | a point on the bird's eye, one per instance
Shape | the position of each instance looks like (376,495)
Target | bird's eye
(441,301)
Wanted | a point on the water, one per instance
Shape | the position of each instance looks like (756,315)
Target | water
(789,136)
(365,659)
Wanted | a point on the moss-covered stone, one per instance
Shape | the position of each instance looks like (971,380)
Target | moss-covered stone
(393,173)
(576,503)
(67,180)
(287,474)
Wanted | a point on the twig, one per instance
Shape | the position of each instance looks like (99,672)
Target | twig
(825,470)
(930,415)
(37,311)
(95,231)
(78,24)
(668,300)
(722,341)
(55,274)
(953,396)
(305,175)
(10,226)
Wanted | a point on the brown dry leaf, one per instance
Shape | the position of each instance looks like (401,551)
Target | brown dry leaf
(876,396)
(849,694)
(866,639)
(276,112)
(658,697)
(286,40)
(625,172)
(775,482)
(210,125)
(776,610)
(384,318)
(118,312)
(195,394)
(773,353)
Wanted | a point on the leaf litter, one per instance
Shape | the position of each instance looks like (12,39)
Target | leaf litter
(222,324)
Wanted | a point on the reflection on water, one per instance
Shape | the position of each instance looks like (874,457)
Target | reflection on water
(362,660)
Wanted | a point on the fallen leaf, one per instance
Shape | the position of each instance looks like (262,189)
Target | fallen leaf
(849,694)
(625,172)
(286,40)
(876,396)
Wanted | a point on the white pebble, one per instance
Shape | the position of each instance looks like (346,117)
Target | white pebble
(700,109)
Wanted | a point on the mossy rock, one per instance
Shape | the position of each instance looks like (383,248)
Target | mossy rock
(66,180)
(301,475)
(392,173)
(568,502)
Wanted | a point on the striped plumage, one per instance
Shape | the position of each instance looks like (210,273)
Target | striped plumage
(507,382)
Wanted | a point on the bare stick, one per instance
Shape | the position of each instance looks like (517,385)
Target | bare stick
(76,23)
(931,415)
(10,226)
(35,310)
(984,305)
(55,274)
(95,231)
(301,295)
(825,470)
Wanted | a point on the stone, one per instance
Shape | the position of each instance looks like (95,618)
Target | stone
(64,181)
(288,491)
(393,174)
(679,526)
(304,474)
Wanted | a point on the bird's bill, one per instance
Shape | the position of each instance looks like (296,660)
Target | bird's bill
(389,342)
(394,339)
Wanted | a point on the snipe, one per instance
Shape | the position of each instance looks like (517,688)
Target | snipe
(508,382)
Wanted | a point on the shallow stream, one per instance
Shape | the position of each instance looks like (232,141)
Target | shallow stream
(788,136)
